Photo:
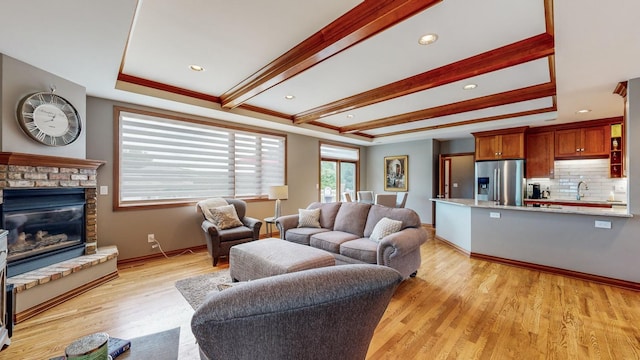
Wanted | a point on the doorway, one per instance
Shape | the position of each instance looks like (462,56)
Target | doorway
(337,177)
(457,174)
(339,169)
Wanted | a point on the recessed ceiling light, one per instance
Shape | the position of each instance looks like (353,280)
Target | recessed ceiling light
(350,116)
(196,68)
(427,39)
(583,111)
(289,97)
(470,86)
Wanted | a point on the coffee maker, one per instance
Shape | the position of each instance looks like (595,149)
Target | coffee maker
(535,191)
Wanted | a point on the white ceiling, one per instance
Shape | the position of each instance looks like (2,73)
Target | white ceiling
(149,44)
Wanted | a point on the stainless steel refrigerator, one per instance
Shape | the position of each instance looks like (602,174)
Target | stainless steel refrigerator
(501,181)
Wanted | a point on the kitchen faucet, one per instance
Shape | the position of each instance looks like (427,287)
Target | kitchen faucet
(586,187)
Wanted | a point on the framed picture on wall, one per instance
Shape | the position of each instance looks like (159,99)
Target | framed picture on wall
(396,173)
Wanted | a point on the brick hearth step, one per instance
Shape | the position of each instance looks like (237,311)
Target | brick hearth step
(30,282)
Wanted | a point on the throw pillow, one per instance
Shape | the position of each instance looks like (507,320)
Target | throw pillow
(385,227)
(309,218)
(225,217)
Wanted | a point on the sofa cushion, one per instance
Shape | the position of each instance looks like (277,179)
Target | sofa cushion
(225,217)
(331,240)
(385,227)
(309,218)
(302,235)
(362,249)
(409,218)
(352,218)
(328,212)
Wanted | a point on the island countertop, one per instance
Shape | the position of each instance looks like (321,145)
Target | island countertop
(563,209)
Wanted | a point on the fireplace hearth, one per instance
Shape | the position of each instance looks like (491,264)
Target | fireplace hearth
(45,226)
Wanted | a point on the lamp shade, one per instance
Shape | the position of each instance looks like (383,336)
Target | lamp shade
(279,192)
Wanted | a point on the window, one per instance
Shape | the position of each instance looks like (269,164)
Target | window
(166,160)
(339,168)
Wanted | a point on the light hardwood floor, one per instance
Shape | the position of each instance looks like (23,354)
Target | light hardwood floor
(456,308)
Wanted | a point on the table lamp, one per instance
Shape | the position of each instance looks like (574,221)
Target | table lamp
(278,193)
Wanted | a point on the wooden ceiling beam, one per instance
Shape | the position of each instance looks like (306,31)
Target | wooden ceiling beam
(533,48)
(504,98)
(365,20)
(472,121)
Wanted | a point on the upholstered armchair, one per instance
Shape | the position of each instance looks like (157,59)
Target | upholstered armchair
(322,313)
(219,240)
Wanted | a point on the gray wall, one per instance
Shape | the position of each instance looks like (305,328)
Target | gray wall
(462,167)
(463,175)
(20,79)
(421,173)
(179,227)
(633,147)
(458,146)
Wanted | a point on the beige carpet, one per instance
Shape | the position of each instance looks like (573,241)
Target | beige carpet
(195,289)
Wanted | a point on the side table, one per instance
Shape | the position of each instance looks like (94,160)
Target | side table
(270,221)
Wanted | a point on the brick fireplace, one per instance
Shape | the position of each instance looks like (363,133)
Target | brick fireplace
(35,290)
(26,171)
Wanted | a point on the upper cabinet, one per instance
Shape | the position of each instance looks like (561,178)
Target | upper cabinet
(584,142)
(500,144)
(540,155)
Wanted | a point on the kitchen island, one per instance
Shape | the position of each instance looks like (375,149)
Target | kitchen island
(594,243)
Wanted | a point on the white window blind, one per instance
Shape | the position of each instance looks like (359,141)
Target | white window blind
(339,152)
(168,160)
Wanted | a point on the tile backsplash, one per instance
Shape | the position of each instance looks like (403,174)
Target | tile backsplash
(593,172)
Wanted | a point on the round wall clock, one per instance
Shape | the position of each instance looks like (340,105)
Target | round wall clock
(49,119)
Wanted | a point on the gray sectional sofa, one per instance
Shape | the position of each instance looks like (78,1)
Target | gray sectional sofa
(345,228)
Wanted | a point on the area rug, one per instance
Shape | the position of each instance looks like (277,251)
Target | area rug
(195,289)
(158,346)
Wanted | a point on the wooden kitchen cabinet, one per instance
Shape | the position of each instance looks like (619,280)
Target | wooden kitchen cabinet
(540,155)
(500,144)
(586,142)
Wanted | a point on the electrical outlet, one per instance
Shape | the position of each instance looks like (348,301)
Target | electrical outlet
(151,238)
(154,246)
(603,224)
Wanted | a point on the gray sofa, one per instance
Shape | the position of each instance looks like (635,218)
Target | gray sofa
(345,228)
(324,313)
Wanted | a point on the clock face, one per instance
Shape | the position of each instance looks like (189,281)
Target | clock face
(49,119)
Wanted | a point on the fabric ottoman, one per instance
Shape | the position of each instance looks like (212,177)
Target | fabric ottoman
(268,257)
